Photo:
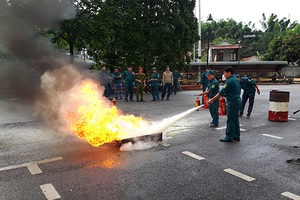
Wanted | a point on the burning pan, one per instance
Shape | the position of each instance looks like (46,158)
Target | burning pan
(156,137)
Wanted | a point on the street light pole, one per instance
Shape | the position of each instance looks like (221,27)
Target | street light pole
(199,42)
(239,52)
(199,32)
(209,19)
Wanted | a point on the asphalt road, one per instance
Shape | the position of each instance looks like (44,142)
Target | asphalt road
(39,163)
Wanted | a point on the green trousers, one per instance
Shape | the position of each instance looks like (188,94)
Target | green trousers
(139,91)
(233,124)
(214,112)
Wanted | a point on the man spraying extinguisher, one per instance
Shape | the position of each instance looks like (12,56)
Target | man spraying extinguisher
(212,90)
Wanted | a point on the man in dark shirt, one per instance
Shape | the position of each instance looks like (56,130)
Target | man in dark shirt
(212,90)
(249,86)
(232,91)
(129,79)
(204,80)
(117,79)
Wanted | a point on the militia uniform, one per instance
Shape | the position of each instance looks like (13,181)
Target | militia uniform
(129,78)
(213,88)
(232,89)
(154,78)
(140,80)
(248,85)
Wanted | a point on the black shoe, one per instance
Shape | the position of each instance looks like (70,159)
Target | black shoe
(236,139)
(167,99)
(248,116)
(162,99)
(137,100)
(131,100)
(153,100)
(126,100)
(226,139)
(142,100)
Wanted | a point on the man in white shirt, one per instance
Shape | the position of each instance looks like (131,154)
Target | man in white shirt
(168,82)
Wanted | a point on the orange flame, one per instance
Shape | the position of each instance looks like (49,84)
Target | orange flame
(96,120)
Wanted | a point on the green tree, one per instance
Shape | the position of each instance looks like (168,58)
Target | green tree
(285,47)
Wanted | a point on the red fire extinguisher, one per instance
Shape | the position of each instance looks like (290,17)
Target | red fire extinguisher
(205,100)
(222,106)
(197,103)
(114,102)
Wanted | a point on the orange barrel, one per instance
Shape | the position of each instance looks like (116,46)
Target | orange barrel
(222,106)
(197,103)
(205,100)
(279,106)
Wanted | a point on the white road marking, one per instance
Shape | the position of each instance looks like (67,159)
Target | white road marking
(273,136)
(224,127)
(31,163)
(221,128)
(239,174)
(193,155)
(290,195)
(50,192)
(292,119)
(34,169)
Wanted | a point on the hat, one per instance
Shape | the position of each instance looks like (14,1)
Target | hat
(167,66)
(237,75)
(153,68)
(210,72)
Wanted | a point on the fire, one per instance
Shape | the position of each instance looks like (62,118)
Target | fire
(96,120)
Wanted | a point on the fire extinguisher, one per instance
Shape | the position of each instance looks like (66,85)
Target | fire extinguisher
(114,102)
(205,100)
(222,106)
(197,103)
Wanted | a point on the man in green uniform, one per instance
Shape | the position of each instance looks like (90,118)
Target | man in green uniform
(117,80)
(204,81)
(249,86)
(129,78)
(212,90)
(154,79)
(176,76)
(231,89)
(140,79)
(104,81)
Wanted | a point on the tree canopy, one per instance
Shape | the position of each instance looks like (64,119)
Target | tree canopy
(158,32)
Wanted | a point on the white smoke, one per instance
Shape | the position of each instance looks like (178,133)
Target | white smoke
(155,128)
(138,145)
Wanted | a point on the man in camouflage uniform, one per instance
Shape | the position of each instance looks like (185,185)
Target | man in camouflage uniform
(140,80)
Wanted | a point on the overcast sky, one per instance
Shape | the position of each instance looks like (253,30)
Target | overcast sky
(245,11)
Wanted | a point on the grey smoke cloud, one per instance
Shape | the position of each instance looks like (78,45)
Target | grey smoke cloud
(29,54)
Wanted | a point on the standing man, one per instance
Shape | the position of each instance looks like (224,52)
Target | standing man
(204,80)
(176,76)
(212,90)
(167,83)
(109,82)
(154,78)
(117,79)
(129,78)
(104,81)
(250,87)
(140,79)
(231,89)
